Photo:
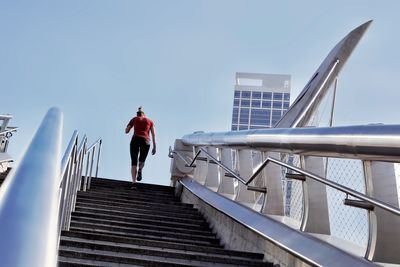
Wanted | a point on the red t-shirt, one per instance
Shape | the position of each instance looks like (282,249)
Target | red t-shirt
(141,126)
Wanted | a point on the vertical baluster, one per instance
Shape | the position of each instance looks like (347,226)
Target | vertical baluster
(212,177)
(226,185)
(245,171)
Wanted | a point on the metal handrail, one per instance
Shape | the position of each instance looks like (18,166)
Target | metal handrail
(187,164)
(38,197)
(339,187)
(366,142)
(68,152)
(344,189)
(90,161)
(70,182)
(243,181)
(28,200)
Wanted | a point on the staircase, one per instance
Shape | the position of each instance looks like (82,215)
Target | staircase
(114,225)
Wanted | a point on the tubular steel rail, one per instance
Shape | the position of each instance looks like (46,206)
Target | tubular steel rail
(37,198)
(369,143)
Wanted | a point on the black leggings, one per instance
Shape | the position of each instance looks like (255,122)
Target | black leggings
(139,145)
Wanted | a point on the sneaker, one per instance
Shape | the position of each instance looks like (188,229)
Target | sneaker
(139,175)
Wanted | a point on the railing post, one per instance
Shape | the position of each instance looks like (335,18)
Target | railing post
(272,174)
(200,172)
(70,189)
(226,185)
(98,158)
(178,166)
(384,234)
(82,162)
(89,181)
(245,163)
(212,177)
(85,180)
(316,213)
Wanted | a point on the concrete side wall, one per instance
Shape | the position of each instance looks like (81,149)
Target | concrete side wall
(237,237)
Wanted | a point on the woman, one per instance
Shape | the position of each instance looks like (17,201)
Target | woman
(140,143)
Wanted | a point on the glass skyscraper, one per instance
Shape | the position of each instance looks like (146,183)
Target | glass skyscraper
(260,100)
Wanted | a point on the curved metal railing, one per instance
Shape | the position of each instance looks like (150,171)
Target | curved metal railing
(369,143)
(37,198)
(29,198)
(372,142)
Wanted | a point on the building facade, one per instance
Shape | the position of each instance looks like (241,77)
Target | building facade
(260,100)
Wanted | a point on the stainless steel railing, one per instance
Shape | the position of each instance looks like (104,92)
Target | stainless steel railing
(37,198)
(29,200)
(246,182)
(72,167)
(369,142)
(376,146)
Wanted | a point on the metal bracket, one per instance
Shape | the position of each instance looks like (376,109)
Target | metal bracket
(358,204)
(257,189)
(296,176)
(227,174)
(187,164)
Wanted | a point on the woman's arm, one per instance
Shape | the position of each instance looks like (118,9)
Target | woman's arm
(153,138)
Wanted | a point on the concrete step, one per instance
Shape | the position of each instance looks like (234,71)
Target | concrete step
(133,193)
(75,262)
(134,197)
(161,244)
(140,204)
(113,225)
(128,190)
(110,258)
(133,236)
(141,224)
(140,209)
(199,222)
(124,184)
(136,259)
(154,251)
(144,232)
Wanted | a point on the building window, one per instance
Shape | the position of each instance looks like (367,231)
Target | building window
(244,116)
(260,116)
(277,104)
(255,103)
(278,96)
(276,115)
(237,94)
(285,105)
(246,94)
(245,103)
(267,95)
(256,95)
(286,96)
(234,127)
(243,127)
(266,104)
(235,115)
(236,102)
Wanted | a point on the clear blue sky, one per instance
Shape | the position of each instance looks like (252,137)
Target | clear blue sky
(99,60)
